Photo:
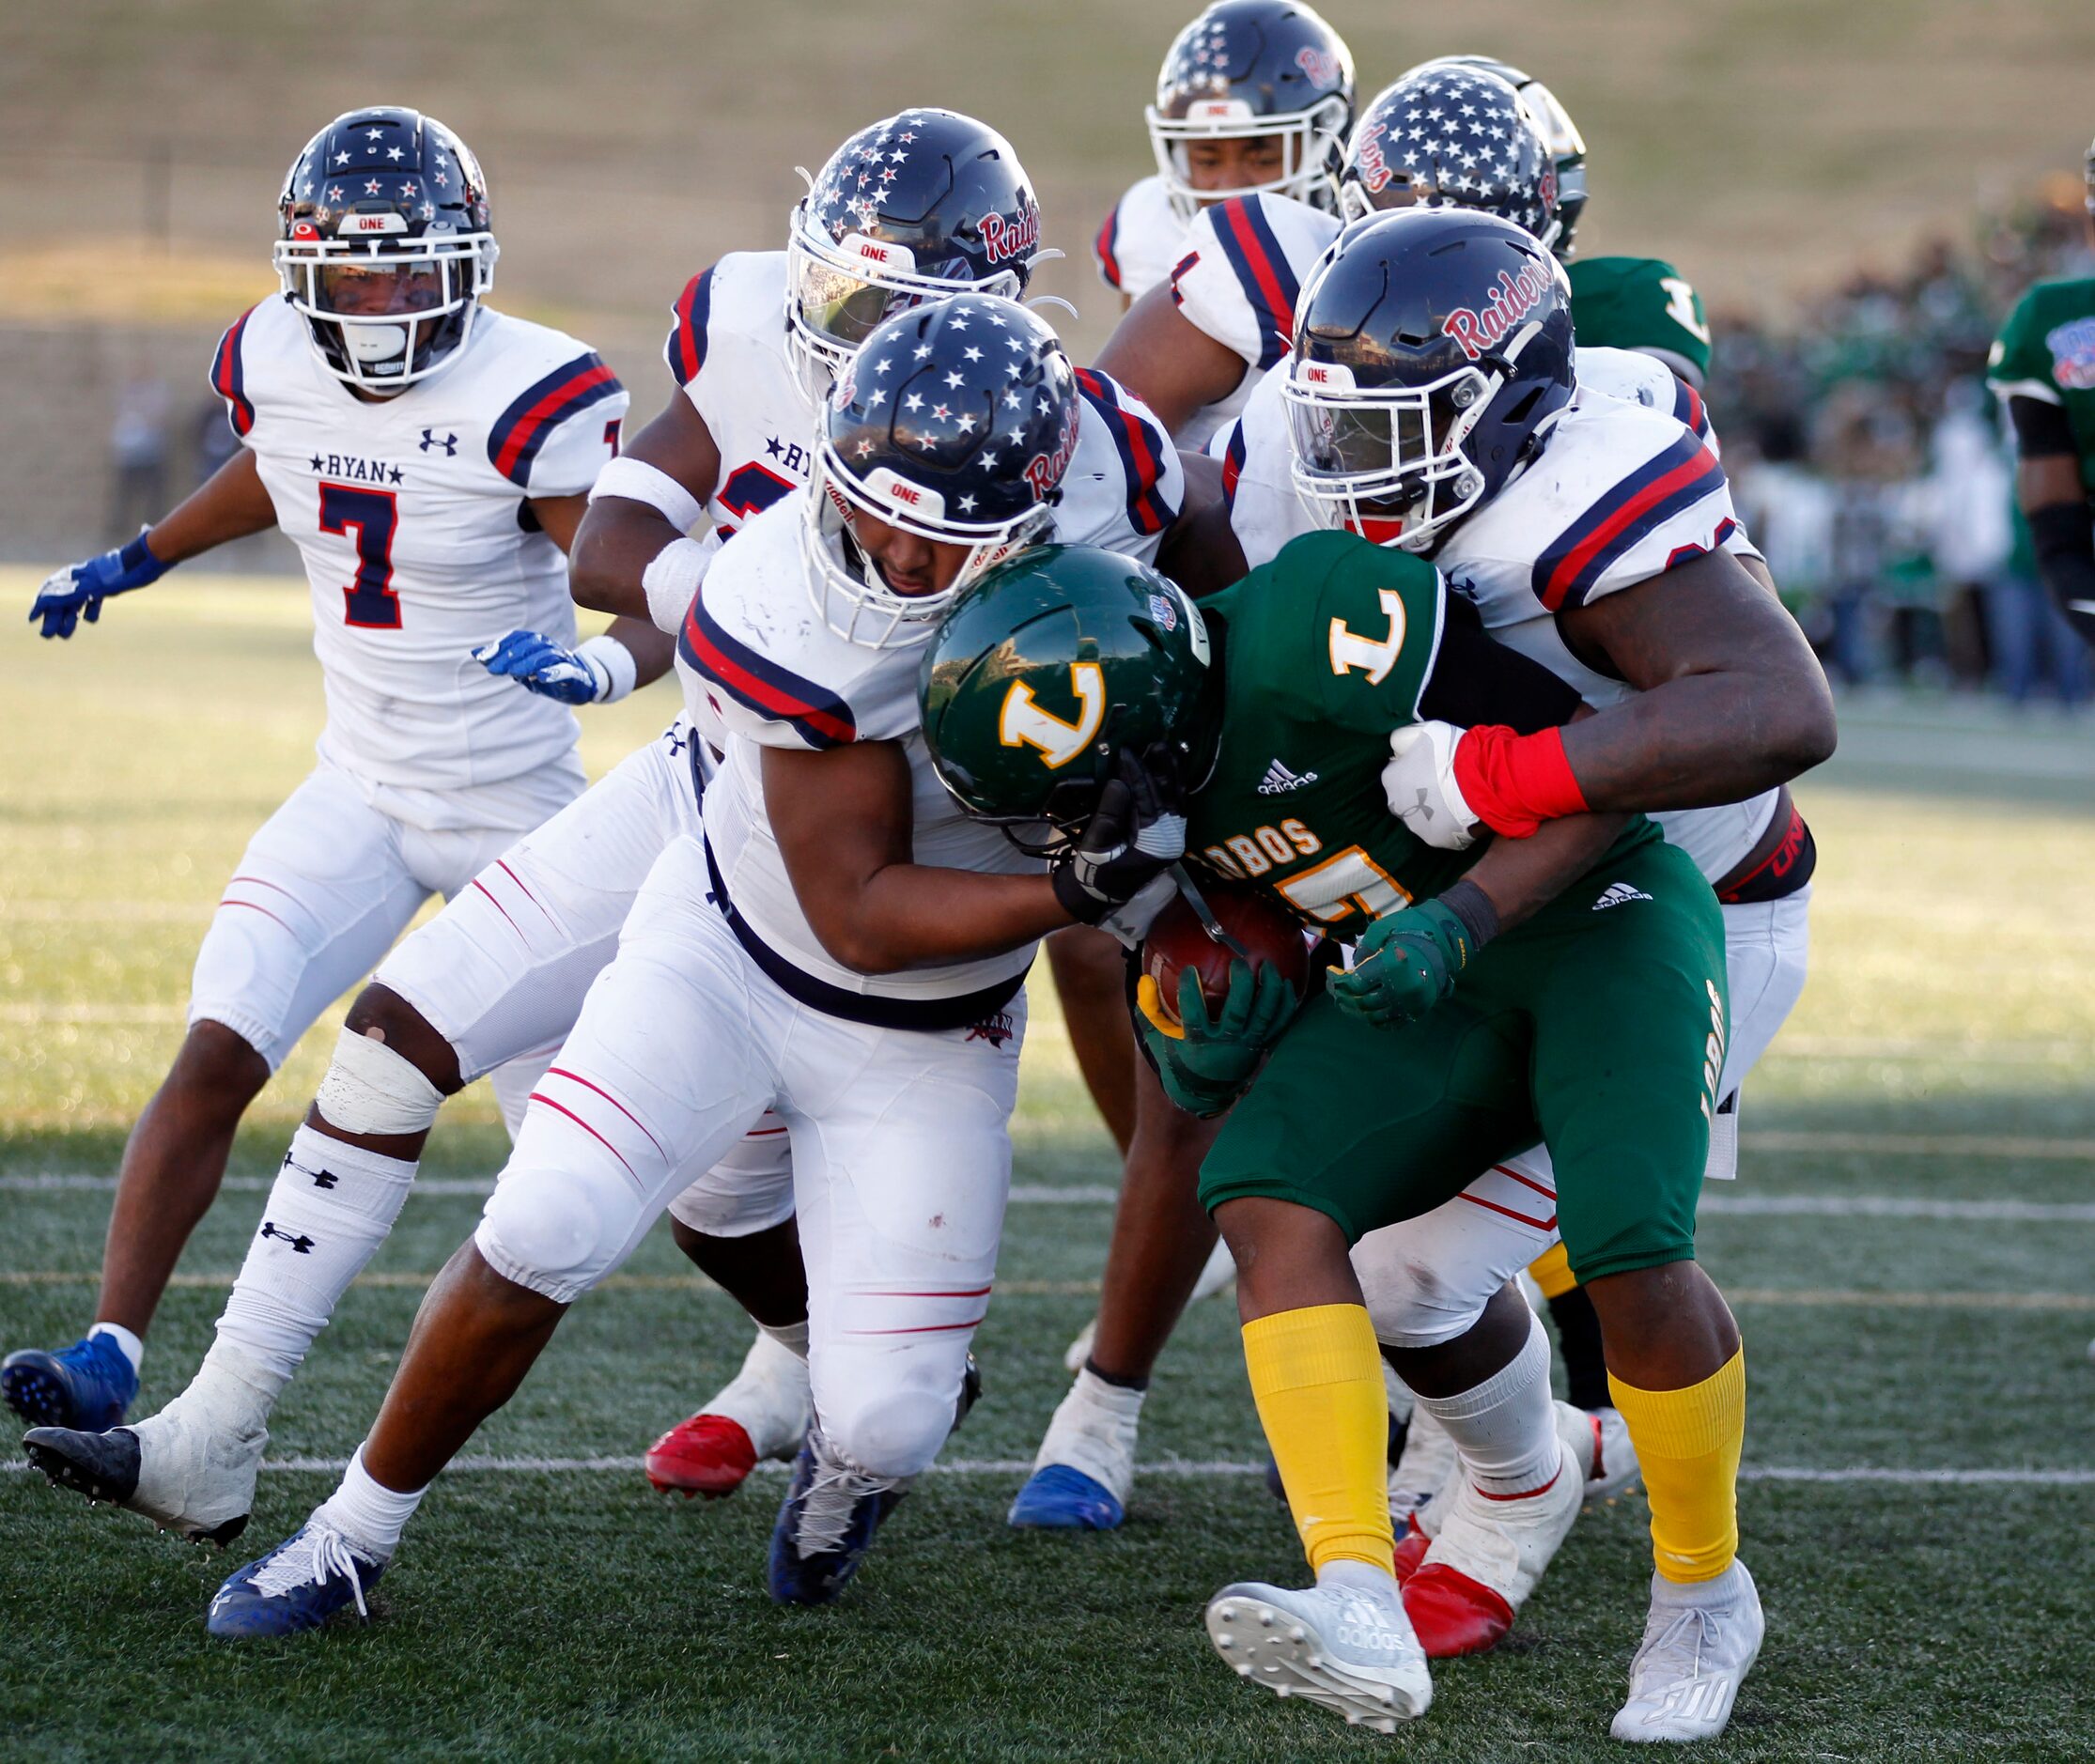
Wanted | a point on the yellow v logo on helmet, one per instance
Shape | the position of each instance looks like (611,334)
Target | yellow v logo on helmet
(1024,721)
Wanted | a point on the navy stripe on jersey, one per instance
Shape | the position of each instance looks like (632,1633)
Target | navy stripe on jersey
(1140,446)
(1630,511)
(1689,410)
(1233,463)
(1108,236)
(1262,272)
(1178,269)
(229,377)
(752,679)
(685,348)
(528,422)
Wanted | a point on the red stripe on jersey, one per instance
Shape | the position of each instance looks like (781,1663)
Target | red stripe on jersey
(542,413)
(1700,466)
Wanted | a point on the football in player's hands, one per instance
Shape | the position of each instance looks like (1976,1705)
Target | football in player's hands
(1178,939)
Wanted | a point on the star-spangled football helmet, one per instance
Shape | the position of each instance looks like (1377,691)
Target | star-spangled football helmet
(385,245)
(1452,136)
(955,421)
(1567,146)
(905,210)
(1433,355)
(1051,666)
(1246,68)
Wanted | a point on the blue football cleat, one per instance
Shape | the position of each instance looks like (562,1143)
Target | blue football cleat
(826,1523)
(298,1586)
(1058,1498)
(87,1386)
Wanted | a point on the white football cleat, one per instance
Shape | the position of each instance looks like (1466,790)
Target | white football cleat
(1607,1452)
(1700,1643)
(1488,1552)
(1339,1646)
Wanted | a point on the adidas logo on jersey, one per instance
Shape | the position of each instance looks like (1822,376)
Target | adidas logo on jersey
(1619,894)
(1279,780)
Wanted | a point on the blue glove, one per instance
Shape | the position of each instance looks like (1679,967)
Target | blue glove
(77,592)
(540,665)
(1405,965)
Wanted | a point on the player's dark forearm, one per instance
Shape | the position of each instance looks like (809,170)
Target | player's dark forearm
(1522,875)
(613,546)
(652,650)
(1703,740)
(229,504)
(916,916)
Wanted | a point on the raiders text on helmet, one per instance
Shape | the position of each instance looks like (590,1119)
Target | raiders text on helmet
(1433,354)
(1246,69)
(385,245)
(1051,666)
(909,209)
(955,421)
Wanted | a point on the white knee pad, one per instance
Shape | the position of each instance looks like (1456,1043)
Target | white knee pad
(370,1089)
(893,1432)
(1411,1302)
(556,1232)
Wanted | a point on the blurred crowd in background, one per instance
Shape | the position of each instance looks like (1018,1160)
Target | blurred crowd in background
(1867,458)
(1873,467)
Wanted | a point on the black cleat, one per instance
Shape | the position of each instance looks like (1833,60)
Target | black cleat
(103,1467)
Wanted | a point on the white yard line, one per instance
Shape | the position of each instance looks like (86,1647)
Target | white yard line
(1195,1468)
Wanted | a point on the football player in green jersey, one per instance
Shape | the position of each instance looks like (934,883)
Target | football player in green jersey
(2042,367)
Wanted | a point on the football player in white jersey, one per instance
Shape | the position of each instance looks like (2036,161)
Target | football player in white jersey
(1254,96)
(841,944)
(904,208)
(502,969)
(1596,536)
(429,458)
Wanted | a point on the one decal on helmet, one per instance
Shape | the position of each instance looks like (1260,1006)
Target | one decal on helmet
(1432,356)
(955,421)
(384,246)
(1448,135)
(1561,136)
(909,209)
(1246,70)
(1046,669)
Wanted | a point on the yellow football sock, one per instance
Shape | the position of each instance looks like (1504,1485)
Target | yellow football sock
(1317,1377)
(1552,1270)
(1687,1445)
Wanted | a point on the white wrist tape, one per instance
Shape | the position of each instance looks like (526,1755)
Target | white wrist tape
(673,577)
(613,665)
(370,1089)
(639,482)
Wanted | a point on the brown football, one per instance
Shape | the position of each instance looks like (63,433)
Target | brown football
(1178,938)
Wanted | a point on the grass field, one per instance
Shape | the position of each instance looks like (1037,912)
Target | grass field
(1908,1250)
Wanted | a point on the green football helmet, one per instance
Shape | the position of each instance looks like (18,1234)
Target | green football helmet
(1051,666)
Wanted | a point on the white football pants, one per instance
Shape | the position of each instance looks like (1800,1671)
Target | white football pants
(901,1158)
(1427,1280)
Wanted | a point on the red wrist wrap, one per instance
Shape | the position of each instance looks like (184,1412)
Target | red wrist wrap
(1514,783)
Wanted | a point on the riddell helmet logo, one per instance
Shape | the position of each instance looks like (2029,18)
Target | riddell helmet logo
(1002,239)
(1512,301)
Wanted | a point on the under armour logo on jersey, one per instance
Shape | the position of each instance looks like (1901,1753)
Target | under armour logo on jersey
(300,1244)
(431,440)
(1619,894)
(1279,780)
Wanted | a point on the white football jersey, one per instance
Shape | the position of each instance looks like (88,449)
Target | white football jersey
(411,515)
(1622,494)
(757,659)
(726,348)
(1142,238)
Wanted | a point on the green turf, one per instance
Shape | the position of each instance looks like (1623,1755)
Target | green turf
(577,1616)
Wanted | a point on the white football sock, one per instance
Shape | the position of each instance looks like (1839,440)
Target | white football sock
(366,1512)
(1094,1430)
(332,1206)
(791,1337)
(1360,1577)
(134,1349)
(1505,1428)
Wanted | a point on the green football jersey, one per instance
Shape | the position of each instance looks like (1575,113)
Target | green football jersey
(1640,304)
(1325,651)
(2046,351)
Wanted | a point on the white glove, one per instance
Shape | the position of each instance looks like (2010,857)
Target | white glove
(1419,784)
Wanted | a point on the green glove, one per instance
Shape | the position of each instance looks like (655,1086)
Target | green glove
(1404,965)
(1206,1063)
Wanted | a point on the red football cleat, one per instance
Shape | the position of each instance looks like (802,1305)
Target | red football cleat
(1411,1549)
(709,1455)
(1453,1614)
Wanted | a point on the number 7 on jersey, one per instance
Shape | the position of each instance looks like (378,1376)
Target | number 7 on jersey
(370,602)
